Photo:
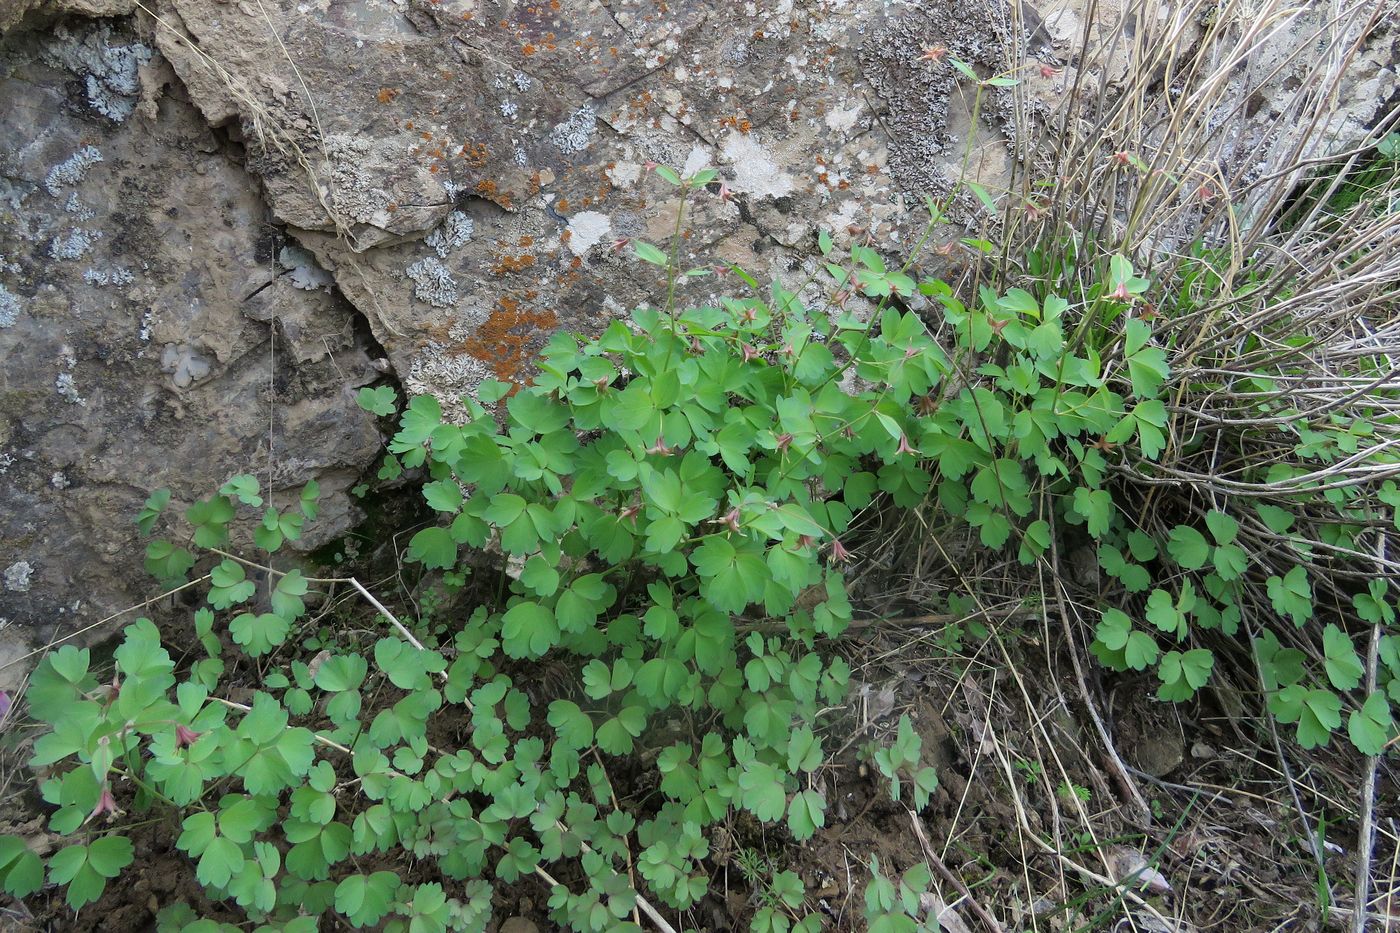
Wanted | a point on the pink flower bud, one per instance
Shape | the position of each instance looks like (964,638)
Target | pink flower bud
(839,552)
(904,447)
(106,805)
(750,354)
(185,736)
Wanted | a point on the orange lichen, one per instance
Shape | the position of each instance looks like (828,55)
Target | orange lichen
(529,50)
(562,206)
(512,264)
(386,94)
(503,342)
(526,241)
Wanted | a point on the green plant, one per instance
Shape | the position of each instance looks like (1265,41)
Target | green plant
(672,502)
(899,908)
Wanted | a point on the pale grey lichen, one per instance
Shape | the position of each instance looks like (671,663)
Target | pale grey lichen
(110,70)
(118,275)
(78,209)
(74,244)
(575,133)
(68,389)
(432,283)
(184,365)
(9,306)
(456,228)
(72,169)
(17,576)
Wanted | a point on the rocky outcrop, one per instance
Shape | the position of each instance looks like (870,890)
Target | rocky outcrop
(219,211)
(157,328)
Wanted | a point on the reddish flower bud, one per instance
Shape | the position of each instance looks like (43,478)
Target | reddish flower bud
(1121,158)
(621,243)
(106,805)
(729,520)
(185,736)
(904,447)
(1048,71)
(783,441)
(934,53)
(839,552)
(750,354)
(805,540)
(661,448)
(724,193)
(1121,293)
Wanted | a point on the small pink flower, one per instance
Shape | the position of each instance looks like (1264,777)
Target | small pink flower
(904,447)
(721,269)
(724,193)
(839,552)
(1034,210)
(946,249)
(1121,293)
(750,354)
(805,540)
(1205,192)
(1048,71)
(696,346)
(783,441)
(106,805)
(910,352)
(934,53)
(650,166)
(630,512)
(750,315)
(1121,158)
(729,520)
(841,297)
(185,736)
(621,243)
(661,448)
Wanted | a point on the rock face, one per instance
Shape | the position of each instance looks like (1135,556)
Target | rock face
(141,276)
(219,214)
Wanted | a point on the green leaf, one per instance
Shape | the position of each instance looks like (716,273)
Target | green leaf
(433,547)
(1343,665)
(1291,594)
(806,814)
(150,512)
(228,585)
(666,173)
(1222,527)
(21,871)
(1095,506)
(648,253)
(539,577)
(987,200)
(244,488)
(528,630)
(1182,674)
(1188,547)
(1368,727)
(379,401)
(761,789)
